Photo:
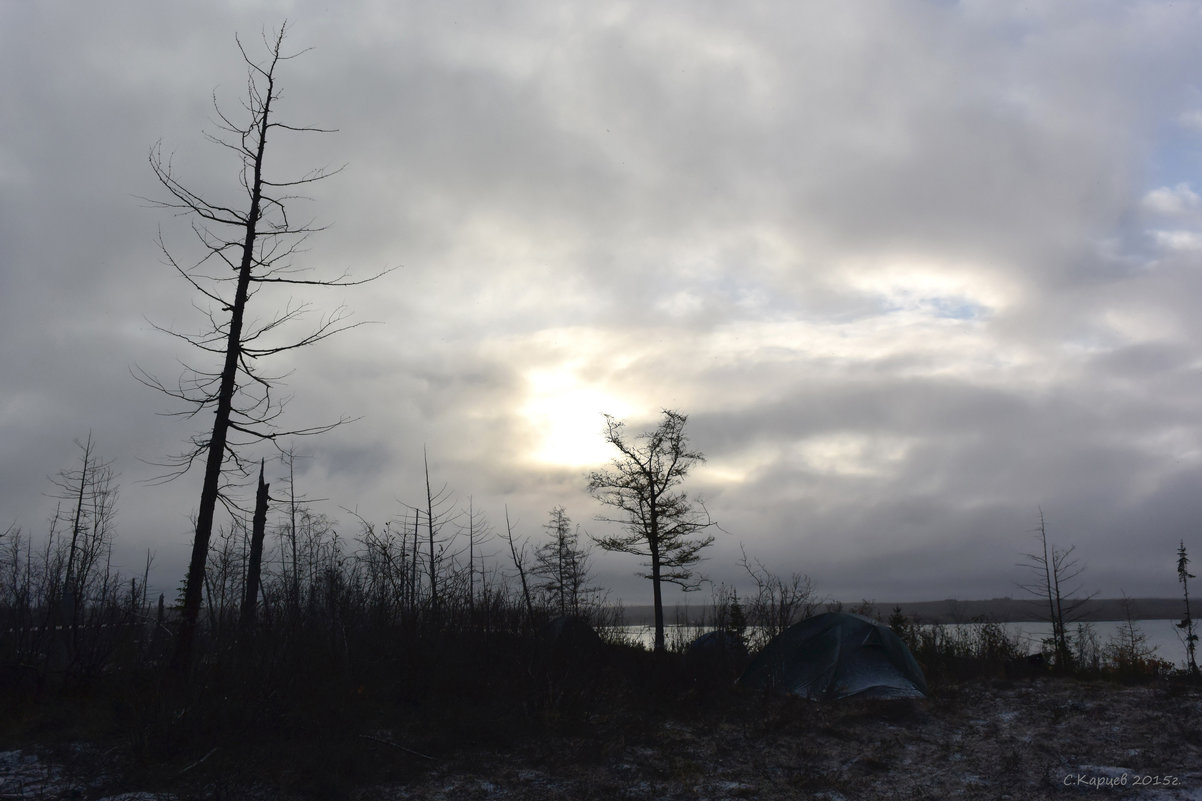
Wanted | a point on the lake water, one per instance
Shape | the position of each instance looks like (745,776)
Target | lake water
(1163,635)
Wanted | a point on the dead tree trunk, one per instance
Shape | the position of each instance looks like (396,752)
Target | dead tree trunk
(250,600)
(247,247)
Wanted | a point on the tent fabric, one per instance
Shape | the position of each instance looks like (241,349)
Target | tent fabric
(837,655)
(716,652)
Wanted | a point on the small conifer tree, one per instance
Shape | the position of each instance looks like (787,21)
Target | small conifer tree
(1187,623)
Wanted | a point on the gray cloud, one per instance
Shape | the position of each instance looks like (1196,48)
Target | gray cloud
(913,272)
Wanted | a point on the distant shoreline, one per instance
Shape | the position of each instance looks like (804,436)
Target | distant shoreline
(1001,610)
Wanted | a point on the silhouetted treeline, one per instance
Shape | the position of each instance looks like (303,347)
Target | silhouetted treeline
(1026,610)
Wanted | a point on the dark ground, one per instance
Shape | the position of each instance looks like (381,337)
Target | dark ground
(992,739)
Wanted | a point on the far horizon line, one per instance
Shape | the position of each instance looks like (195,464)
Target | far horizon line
(1005,609)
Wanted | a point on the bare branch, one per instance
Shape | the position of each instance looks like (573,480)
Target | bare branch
(340,281)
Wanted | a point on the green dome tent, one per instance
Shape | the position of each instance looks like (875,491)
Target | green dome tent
(836,655)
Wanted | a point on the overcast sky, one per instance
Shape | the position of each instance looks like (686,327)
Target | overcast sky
(914,270)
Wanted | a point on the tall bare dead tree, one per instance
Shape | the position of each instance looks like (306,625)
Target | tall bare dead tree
(643,484)
(245,246)
(1055,574)
(90,491)
(519,555)
(478,530)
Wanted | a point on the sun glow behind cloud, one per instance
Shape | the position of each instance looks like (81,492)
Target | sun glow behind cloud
(566,412)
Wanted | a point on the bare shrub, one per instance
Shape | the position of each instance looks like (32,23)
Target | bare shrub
(779,601)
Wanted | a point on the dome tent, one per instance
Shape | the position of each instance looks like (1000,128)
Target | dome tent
(715,654)
(836,655)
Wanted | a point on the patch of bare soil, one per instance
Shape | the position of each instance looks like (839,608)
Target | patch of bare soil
(1028,740)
